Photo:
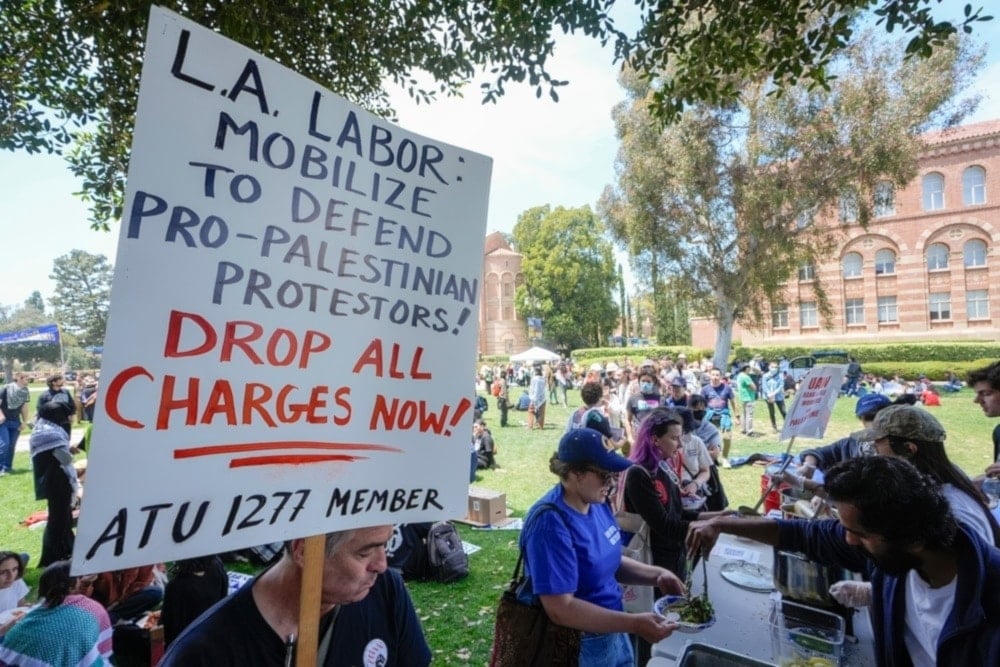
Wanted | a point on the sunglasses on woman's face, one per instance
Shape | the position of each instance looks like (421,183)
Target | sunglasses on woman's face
(604,475)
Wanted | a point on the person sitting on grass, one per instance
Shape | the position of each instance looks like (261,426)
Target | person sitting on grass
(13,590)
(486,449)
(195,585)
(127,594)
(67,628)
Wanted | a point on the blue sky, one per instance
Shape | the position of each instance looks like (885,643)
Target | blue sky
(544,153)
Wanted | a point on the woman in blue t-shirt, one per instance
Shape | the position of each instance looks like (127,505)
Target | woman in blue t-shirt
(573,555)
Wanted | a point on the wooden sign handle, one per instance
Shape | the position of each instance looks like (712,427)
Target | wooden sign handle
(309,601)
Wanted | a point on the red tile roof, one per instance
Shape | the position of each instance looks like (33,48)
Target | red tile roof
(963,132)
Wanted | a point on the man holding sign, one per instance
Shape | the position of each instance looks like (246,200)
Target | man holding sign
(367,615)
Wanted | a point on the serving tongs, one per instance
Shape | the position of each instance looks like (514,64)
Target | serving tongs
(692,563)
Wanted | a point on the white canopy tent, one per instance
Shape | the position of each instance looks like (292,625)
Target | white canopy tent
(535,355)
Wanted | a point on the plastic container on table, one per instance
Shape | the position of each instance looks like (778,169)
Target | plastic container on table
(803,636)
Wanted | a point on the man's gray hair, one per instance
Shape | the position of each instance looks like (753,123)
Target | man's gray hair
(333,541)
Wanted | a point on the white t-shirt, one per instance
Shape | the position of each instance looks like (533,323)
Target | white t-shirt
(968,511)
(695,455)
(926,611)
(11,596)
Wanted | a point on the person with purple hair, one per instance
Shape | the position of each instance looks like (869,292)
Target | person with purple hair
(652,488)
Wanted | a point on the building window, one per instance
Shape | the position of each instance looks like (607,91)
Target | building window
(974,253)
(974,186)
(940,306)
(884,203)
(937,257)
(807,272)
(852,265)
(779,317)
(848,205)
(977,305)
(885,262)
(507,288)
(887,310)
(933,185)
(854,311)
(808,315)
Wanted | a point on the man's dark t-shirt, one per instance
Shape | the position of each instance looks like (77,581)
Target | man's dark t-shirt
(381,630)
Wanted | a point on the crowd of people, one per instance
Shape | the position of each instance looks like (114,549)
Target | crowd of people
(923,534)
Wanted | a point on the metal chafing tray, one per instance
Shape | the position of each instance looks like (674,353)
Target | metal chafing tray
(703,655)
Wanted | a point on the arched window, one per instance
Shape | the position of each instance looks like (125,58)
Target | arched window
(974,186)
(933,185)
(885,199)
(974,253)
(937,257)
(852,265)
(885,262)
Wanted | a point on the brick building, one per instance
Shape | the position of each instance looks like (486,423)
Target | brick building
(500,330)
(925,269)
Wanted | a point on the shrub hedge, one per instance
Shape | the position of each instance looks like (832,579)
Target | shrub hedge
(905,359)
(636,355)
(947,353)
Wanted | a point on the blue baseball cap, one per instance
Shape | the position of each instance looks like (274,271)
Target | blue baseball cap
(870,403)
(584,445)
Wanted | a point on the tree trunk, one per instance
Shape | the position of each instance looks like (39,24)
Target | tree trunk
(725,318)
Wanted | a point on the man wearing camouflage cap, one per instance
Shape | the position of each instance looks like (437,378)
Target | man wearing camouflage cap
(914,434)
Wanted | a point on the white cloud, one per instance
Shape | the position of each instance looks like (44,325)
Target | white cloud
(560,153)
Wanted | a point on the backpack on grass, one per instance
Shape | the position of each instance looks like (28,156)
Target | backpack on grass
(428,551)
(447,560)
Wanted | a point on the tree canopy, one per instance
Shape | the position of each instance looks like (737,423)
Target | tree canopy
(69,71)
(82,297)
(569,275)
(725,198)
(19,318)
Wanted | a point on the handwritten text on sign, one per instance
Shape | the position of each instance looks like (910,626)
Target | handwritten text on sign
(291,330)
(814,401)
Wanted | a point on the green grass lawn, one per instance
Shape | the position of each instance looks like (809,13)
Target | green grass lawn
(458,618)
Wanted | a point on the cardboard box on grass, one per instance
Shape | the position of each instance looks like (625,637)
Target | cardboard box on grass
(486,506)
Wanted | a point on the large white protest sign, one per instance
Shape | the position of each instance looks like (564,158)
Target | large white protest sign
(814,402)
(293,319)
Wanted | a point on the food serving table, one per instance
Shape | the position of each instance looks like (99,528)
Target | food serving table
(743,616)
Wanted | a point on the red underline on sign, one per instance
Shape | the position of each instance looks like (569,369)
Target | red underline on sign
(240,447)
(291,459)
